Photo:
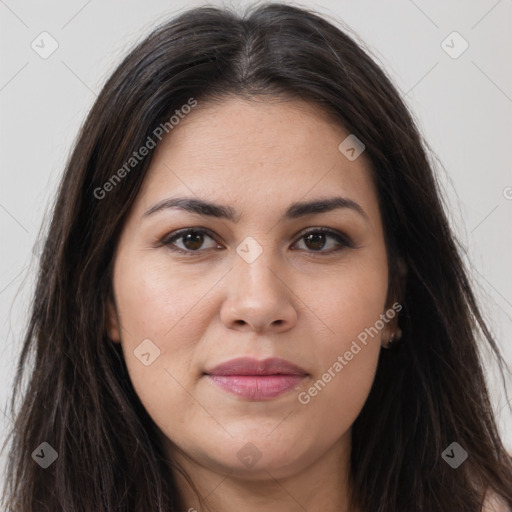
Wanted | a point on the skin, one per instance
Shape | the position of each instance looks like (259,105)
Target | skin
(295,301)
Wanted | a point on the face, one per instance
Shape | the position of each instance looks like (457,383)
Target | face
(299,291)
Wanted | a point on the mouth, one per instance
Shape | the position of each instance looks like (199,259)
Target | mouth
(256,380)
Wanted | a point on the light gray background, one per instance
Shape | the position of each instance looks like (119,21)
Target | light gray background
(463,107)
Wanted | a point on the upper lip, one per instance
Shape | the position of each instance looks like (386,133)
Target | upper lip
(252,366)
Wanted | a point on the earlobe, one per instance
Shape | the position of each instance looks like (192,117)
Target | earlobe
(402,267)
(113,330)
(389,332)
(392,332)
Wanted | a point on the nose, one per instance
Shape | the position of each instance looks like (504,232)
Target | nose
(259,297)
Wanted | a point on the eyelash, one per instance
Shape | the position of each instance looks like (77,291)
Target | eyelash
(343,240)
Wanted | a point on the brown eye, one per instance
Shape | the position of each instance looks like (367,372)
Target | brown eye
(318,239)
(315,241)
(191,241)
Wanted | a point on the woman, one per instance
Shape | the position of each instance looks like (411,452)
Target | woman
(250,297)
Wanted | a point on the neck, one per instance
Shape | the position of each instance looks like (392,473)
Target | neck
(322,486)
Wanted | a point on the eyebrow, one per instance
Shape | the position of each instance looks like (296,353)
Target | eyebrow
(294,211)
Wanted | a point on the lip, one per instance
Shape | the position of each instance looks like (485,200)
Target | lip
(257,380)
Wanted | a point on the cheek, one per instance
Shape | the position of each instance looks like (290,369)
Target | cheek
(166,303)
(350,300)
(162,317)
(173,305)
(351,308)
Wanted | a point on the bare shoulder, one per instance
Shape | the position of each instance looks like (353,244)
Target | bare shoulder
(493,503)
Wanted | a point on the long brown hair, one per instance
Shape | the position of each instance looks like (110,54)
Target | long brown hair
(428,393)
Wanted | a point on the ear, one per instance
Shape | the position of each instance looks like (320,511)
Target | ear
(113,330)
(402,269)
(396,296)
(389,329)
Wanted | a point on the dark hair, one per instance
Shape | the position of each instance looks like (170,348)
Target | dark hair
(427,393)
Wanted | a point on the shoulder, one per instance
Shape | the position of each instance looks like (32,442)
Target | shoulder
(493,503)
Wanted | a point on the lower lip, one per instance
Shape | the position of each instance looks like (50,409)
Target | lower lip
(253,387)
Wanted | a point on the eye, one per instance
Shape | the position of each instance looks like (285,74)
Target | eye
(192,240)
(316,239)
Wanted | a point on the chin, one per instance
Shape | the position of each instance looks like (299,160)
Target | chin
(255,457)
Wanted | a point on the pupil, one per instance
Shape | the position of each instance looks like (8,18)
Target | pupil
(318,240)
(195,238)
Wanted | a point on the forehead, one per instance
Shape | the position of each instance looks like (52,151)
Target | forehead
(256,152)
